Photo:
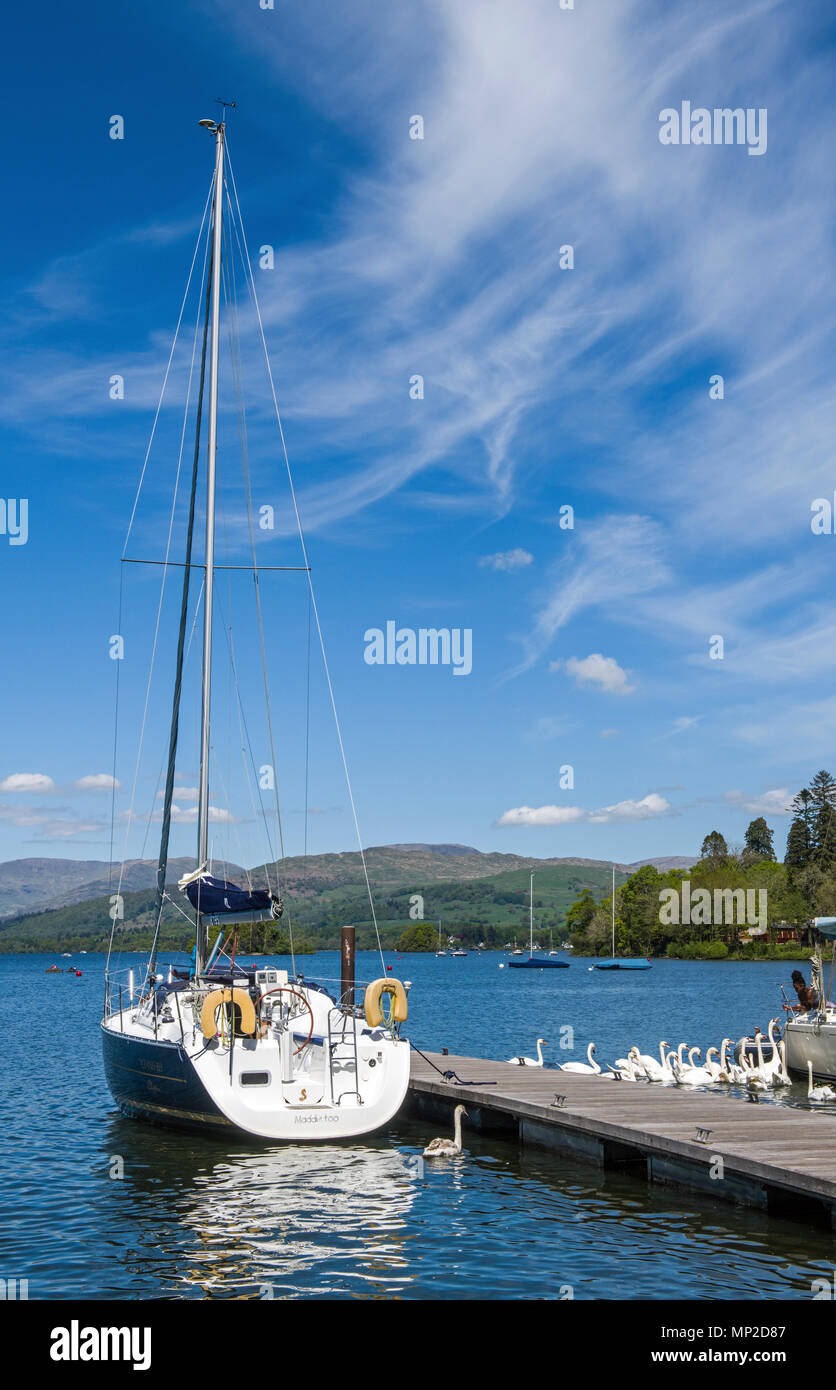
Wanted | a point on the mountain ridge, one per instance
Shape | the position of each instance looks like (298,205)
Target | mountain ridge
(29,885)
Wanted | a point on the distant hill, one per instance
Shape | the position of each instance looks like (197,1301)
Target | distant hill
(669,861)
(28,885)
(33,885)
(475,895)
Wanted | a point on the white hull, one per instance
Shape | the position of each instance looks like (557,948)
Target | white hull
(348,1080)
(809,1039)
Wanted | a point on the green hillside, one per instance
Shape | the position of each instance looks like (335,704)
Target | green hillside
(491,907)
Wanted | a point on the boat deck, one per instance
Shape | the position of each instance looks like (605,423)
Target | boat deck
(780,1158)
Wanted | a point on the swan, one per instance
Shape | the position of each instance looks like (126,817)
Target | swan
(773,1066)
(817,1093)
(692,1075)
(587,1070)
(713,1067)
(529,1061)
(760,1078)
(448,1148)
(757,1078)
(727,1072)
(782,1077)
(653,1070)
(627,1068)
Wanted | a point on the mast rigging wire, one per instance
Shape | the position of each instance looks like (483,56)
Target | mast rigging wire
(251,284)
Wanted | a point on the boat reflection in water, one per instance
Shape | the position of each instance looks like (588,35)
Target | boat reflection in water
(261,1220)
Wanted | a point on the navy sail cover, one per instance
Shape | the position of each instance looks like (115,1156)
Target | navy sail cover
(215,896)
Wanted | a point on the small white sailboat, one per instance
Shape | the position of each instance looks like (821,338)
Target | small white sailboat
(223,1047)
(440,951)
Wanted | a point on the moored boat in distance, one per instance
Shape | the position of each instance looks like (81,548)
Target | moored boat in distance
(535,962)
(619,962)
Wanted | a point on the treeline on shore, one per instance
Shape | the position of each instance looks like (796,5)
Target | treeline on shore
(785,896)
(569,904)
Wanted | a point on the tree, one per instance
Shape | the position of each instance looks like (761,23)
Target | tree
(419,936)
(797,854)
(714,846)
(581,912)
(759,839)
(823,807)
(637,910)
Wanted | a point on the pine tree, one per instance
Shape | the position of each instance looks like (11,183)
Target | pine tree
(798,847)
(714,846)
(823,828)
(759,839)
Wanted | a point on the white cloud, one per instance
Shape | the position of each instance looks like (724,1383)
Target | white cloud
(610,733)
(182,794)
(217,814)
(507,560)
(599,670)
(51,824)
(648,807)
(97,782)
(769,803)
(611,564)
(543,815)
(679,726)
(27,782)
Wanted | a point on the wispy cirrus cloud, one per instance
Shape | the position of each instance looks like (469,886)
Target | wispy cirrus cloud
(507,560)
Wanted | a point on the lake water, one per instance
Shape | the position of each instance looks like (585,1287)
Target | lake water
(194,1216)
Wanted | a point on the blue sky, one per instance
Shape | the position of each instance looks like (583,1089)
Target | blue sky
(543,388)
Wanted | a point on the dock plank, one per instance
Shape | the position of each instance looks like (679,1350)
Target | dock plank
(784,1149)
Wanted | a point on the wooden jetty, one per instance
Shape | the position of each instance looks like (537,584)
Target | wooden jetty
(779,1158)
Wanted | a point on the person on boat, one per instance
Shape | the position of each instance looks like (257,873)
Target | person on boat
(807,996)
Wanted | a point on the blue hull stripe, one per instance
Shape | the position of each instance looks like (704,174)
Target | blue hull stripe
(156,1081)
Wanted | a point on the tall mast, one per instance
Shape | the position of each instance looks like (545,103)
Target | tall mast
(205,718)
(613,912)
(531,916)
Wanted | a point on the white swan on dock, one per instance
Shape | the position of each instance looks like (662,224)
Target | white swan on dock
(590,1069)
(529,1061)
(448,1148)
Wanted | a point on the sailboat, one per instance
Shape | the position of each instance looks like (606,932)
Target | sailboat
(621,962)
(535,962)
(440,951)
(220,1047)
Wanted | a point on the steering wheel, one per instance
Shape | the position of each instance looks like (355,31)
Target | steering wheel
(293,1011)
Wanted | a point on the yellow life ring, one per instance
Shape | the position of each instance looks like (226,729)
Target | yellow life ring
(213,1002)
(373,1003)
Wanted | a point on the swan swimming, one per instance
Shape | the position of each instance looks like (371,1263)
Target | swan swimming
(529,1061)
(692,1075)
(448,1148)
(818,1093)
(586,1069)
